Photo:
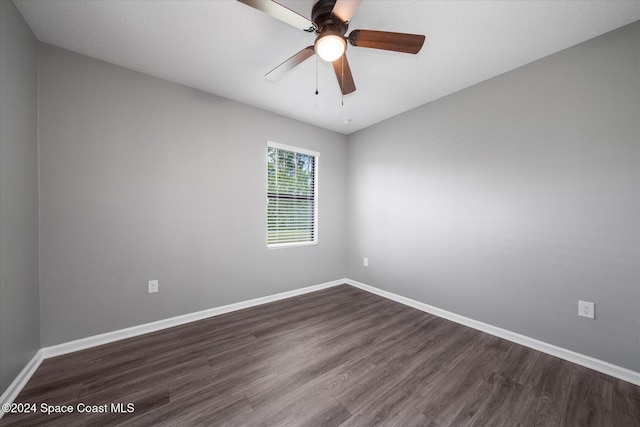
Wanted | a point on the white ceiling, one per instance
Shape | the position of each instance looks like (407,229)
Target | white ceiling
(225,47)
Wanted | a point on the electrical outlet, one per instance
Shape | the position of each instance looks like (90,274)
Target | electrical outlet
(365,262)
(586,309)
(153,286)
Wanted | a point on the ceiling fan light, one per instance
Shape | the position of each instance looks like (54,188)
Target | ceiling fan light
(330,46)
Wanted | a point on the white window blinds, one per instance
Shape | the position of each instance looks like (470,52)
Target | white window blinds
(291,195)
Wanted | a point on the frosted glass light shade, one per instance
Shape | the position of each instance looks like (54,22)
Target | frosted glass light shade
(330,46)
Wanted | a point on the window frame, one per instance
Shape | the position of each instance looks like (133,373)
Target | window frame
(316,156)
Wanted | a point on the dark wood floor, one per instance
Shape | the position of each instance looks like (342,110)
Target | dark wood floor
(340,356)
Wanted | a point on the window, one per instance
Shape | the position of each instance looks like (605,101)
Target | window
(292,197)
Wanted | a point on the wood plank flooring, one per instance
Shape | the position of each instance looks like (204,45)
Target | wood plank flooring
(337,357)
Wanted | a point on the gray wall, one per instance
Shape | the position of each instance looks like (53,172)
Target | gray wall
(145,179)
(509,201)
(19,302)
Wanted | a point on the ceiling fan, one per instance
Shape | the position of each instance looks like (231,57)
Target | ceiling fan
(330,21)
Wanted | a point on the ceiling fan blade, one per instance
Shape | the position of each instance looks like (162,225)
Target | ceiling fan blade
(282,13)
(397,42)
(288,65)
(345,9)
(343,73)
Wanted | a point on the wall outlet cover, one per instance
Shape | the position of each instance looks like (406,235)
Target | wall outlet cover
(586,309)
(153,286)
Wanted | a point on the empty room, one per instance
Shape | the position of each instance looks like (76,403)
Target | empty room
(319,212)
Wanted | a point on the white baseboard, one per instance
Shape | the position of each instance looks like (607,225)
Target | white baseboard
(134,331)
(18,384)
(571,356)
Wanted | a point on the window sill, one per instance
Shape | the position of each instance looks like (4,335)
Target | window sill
(290,245)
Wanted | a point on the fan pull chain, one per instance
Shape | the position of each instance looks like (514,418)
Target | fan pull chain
(342,85)
(316,74)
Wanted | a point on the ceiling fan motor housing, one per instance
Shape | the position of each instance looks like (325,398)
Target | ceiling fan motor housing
(325,20)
